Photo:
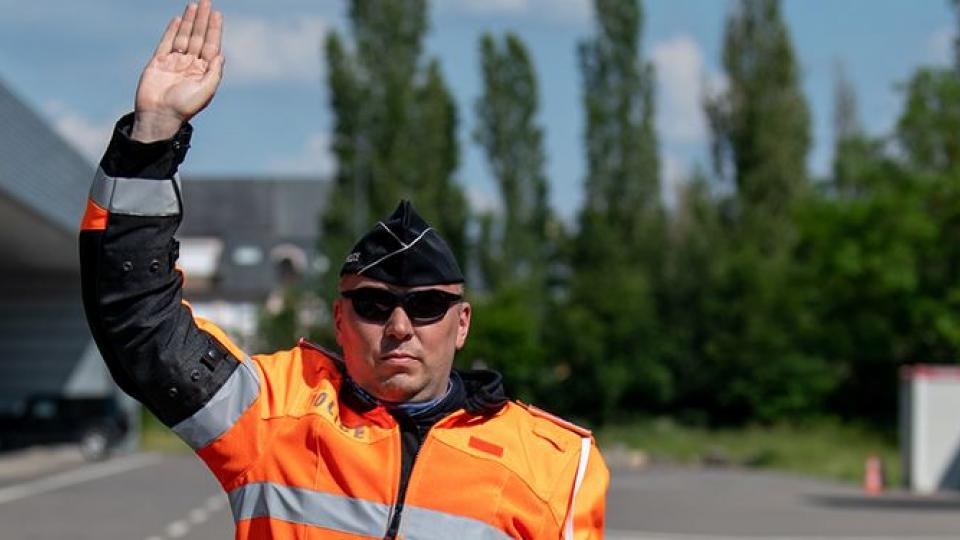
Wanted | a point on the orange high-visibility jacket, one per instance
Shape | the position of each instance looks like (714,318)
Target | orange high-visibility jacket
(296,458)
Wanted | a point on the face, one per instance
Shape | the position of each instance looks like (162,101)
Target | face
(399,360)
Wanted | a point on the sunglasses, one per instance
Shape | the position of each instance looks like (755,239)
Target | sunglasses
(423,306)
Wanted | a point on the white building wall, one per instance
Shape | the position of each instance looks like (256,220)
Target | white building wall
(931,431)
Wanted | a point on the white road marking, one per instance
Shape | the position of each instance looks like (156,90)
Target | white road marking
(181,527)
(215,502)
(178,529)
(197,516)
(637,535)
(77,476)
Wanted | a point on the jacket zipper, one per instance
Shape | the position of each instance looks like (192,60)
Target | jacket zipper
(406,424)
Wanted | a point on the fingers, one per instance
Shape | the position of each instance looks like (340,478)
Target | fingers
(211,44)
(166,42)
(181,42)
(199,28)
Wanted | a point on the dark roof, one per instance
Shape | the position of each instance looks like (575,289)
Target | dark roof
(245,207)
(260,212)
(39,169)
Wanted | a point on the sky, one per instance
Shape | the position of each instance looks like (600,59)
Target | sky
(77,64)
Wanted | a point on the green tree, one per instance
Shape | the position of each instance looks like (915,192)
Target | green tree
(395,126)
(695,247)
(955,5)
(608,332)
(852,148)
(623,169)
(761,122)
(879,261)
(761,137)
(929,129)
(861,264)
(513,142)
(394,134)
(514,249)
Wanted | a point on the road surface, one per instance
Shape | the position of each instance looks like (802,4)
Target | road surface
(52,495)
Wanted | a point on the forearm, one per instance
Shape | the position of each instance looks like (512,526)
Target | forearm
(131,287)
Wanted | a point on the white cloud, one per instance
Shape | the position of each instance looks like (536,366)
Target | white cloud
(88,137)
(565,11)
(482,201)
(315,158)
(259,50)
(680,72)
(940,45)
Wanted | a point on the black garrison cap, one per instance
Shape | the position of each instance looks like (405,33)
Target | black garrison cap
(403,250)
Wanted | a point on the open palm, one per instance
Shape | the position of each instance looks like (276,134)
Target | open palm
(185,70)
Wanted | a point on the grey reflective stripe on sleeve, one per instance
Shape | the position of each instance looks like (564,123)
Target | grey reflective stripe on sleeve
(135,196)
(224,408)
(300,505)
(423,524)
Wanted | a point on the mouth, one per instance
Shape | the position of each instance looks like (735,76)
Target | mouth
(398,358)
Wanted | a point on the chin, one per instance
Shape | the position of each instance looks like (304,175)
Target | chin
(399,388)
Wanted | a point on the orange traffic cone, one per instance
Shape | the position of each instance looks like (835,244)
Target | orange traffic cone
(873,476)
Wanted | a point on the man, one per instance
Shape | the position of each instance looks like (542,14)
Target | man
(387,442)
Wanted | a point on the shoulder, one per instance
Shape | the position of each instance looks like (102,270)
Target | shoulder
(305,363)
(537,425)
(292,379)
(531,431)
(551,421)
(320,356)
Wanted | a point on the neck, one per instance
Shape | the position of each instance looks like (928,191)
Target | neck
(412,407)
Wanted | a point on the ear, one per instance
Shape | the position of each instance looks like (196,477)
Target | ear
(463,324)
(338,319)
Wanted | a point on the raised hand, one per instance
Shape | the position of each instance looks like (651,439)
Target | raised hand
(183,74)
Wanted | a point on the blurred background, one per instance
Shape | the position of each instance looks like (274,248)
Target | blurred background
(721,233)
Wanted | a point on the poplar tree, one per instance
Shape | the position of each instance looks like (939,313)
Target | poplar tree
(513,142)
(514,249)
(955,5)
(608,333)
(761,137)
(761,122)
(622,188)
(853,151)
(394,137)
(395,125)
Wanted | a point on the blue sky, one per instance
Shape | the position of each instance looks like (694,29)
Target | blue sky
(77,63)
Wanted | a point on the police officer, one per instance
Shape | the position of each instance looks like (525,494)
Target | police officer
(387,441)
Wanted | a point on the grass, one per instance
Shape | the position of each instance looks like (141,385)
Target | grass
(825,448)
(155,437)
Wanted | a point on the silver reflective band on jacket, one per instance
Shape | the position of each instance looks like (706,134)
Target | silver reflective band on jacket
(351,515)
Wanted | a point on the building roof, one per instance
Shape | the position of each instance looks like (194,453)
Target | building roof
(39,169)
(43,187)
(258,222)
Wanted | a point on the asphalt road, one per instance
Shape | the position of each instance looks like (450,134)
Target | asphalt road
(53,495)
(137,497)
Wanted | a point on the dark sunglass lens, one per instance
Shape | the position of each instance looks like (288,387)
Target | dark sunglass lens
(372,304)
(428,305)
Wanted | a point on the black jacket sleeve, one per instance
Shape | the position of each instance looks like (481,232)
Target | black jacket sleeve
(155,350)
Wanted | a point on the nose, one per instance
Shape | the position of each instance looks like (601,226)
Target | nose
(398,326)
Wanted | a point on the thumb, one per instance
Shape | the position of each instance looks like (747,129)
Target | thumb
(211,79)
